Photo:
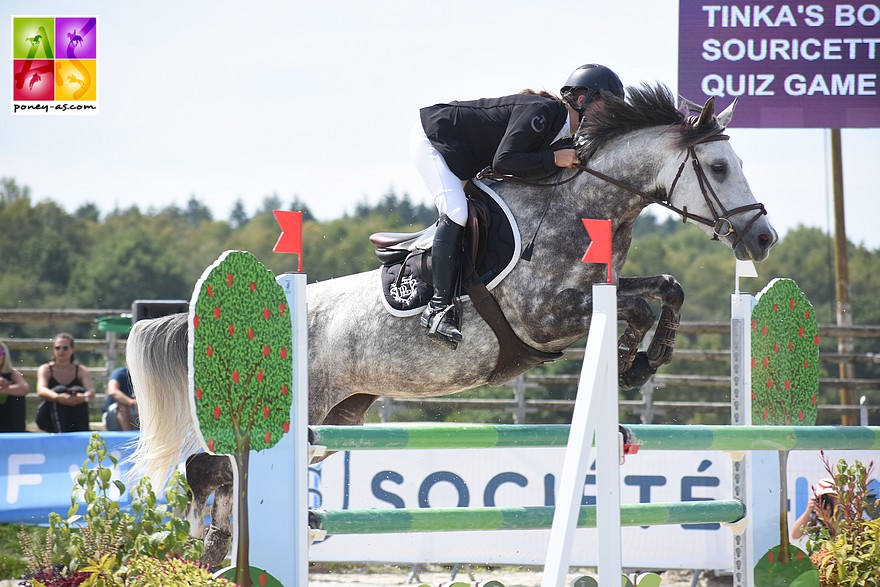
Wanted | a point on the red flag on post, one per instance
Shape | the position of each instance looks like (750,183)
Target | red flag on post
(290,240)
(599,250)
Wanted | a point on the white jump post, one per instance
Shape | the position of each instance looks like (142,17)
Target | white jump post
(294,285)
(755,473)
(595,410)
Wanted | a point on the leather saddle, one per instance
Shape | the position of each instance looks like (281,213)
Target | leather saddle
(491,250)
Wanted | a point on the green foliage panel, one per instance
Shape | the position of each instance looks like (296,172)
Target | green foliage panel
(242,356)
(259,577)
(785,356)
(798,571)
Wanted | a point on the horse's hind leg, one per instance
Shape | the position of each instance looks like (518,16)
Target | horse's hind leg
(219,536)
(209,474)
(200,488)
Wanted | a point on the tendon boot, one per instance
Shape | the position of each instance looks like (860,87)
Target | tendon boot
(441,316)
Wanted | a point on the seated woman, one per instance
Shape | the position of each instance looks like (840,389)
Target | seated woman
(66,389)
(13,389)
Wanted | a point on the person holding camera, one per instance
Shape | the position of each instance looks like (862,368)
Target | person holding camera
(821,510)
(66,389)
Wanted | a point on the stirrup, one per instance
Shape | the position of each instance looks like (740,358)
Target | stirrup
(433,319)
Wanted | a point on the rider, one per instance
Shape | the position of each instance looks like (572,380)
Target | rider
(525,134)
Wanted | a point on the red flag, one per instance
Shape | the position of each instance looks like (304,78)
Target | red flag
(599,250)
(290,240)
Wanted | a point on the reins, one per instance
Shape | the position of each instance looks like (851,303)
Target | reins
(720,221)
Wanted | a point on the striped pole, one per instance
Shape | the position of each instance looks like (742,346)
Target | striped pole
(386,521)
(427,436)
(743,438)
(644,436)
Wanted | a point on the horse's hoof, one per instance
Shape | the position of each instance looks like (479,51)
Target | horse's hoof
(638,373)
(217,543)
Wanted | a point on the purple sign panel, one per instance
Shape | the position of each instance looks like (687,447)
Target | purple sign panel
(792,64)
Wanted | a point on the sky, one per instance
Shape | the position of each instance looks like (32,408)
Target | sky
(315,100)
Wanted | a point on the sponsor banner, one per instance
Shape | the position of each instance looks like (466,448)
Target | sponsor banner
(794,64)
(37,472)
(528,477)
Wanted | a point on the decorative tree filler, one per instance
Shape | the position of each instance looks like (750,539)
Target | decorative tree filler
(242,369)
(785,388)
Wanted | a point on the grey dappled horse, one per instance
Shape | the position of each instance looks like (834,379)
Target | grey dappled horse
(640,151)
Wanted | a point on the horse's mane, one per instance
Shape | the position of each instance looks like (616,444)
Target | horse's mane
(645,107)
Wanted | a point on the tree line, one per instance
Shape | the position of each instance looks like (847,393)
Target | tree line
(91,259)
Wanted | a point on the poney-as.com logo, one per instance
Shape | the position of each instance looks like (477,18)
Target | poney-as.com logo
(55,65)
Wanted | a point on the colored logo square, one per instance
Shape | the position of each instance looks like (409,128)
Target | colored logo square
(55,65)
(76,80)
(34,80)
(33,37)
(76,37)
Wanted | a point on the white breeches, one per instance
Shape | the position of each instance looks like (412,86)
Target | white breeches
(447,189)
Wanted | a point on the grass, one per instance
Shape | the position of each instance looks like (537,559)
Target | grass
(12,563)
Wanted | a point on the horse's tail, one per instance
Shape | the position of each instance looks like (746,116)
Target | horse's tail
(156,353)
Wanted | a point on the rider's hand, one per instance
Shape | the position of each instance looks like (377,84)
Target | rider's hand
(565,158)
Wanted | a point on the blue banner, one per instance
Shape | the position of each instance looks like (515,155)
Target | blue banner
(37,472)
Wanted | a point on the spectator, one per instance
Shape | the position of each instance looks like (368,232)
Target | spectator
(120,410)
(66,389)
(13,388)
(820,510)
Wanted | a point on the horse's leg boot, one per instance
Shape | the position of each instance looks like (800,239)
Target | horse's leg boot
(441,317)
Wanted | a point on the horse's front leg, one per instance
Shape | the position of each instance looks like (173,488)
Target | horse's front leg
(638,316)
(633,296)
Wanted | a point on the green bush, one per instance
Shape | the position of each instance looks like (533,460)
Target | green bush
(103,541)
(152,572)
(849,555)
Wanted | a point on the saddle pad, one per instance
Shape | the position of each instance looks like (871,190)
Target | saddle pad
(407,293)
(406,286)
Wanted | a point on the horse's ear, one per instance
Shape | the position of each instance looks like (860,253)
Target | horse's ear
(707,113)
(727,114)
(689,107)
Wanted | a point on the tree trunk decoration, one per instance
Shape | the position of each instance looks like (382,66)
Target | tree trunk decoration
(242,376)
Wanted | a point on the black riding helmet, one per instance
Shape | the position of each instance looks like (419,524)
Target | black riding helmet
(591,78)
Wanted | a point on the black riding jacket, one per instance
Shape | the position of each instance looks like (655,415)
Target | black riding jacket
(513,134)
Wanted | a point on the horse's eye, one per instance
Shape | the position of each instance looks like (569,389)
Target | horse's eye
(719,168)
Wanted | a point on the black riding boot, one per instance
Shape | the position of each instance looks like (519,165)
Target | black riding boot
(440,317)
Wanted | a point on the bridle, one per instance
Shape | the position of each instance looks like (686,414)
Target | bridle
(719,222)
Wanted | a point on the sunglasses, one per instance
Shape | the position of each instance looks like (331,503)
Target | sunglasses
(62,348)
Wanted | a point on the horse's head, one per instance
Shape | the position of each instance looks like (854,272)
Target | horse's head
(687,162)
(707,186)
